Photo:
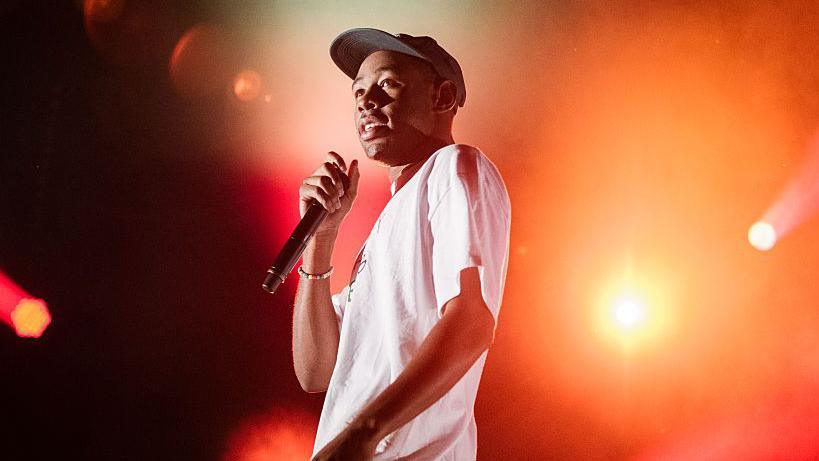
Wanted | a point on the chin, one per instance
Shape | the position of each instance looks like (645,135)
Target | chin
(380,152)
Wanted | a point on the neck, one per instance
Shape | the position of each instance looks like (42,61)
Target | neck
(400,174)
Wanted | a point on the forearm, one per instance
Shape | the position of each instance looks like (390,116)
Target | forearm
(448,352)
(315,325)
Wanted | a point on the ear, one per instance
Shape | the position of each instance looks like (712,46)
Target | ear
(445,97)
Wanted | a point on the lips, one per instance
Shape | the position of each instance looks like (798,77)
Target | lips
(371,128)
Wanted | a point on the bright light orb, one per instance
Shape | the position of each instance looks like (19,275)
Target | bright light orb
(30,318)
(762,236)
(629,313)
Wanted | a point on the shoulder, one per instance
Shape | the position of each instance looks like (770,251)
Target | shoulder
(460,162)
(457,160)
(464,166)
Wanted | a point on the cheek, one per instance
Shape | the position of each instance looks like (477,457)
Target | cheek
(416,112)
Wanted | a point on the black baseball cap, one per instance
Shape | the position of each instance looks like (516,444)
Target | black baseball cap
(352,47)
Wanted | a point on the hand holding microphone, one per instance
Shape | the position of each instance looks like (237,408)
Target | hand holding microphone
(325,198)
(334,187)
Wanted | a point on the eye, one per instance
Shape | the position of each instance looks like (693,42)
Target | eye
(358,92)
(388,83)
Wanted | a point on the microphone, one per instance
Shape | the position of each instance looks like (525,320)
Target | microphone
(294,247)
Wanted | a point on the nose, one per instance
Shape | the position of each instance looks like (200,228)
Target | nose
(364,104)
(372,98)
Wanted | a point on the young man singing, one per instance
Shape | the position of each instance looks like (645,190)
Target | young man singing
(401,348)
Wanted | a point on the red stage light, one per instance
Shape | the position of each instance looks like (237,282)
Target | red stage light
(30,318)
(281,435)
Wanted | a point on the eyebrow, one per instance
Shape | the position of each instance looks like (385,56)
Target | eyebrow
(376,71)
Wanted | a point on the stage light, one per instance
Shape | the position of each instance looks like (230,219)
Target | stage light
(247,85)
(633,310)
(762,236)
(30,318)
(629,312)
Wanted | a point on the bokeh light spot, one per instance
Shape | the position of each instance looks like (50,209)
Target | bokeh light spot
(762,236)
(247,85)
(30,318)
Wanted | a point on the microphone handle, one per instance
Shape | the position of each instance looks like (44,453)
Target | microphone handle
(294,247)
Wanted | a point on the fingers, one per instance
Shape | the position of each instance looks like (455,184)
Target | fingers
(331,181)
(333,157)
(331,191)
(310,192)
(331,170)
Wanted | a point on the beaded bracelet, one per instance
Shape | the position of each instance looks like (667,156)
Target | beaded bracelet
(323,276)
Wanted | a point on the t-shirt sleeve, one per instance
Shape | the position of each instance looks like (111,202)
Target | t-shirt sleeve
(339,301)
(469,222)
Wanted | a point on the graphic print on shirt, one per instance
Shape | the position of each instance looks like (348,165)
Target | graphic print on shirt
(360,263)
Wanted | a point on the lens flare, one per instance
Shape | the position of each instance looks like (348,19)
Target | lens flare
(762,236)
(199,65)
(247,85)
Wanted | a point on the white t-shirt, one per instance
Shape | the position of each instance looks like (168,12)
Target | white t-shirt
(454,213)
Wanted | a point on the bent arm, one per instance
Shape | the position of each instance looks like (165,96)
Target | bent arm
(315,325)
(453,345)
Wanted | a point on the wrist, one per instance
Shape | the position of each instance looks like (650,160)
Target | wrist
(367,430)
(325,236)
(317,256)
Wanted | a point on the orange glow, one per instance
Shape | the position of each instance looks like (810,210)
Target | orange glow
(283,436)
(247,85)
(30,318)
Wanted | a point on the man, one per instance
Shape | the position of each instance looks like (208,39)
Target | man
(401,349)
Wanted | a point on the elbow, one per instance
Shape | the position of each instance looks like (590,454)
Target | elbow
(484,334)
(475,329)
(313,387)
(312,381)
(481,330)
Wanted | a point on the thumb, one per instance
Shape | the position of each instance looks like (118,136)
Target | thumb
(355,174)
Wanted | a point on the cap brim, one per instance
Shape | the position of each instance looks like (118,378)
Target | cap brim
(352,47)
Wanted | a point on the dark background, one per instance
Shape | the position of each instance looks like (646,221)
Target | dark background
(162,340)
